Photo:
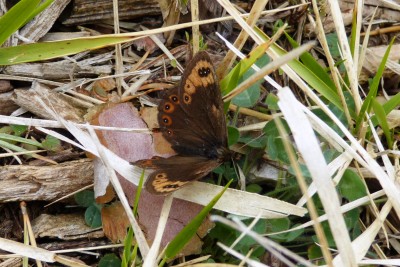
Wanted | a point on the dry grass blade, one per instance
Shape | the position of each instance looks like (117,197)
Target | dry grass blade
(338,166)
(268,69)
(351,69)
(363,242)
(236,15)
(140,238)
(25,250)
(359,154)
(194,4)
(309,147)
(151,259)
(278,250)
(324,43)
(255,13)
(57,124)
(245,259)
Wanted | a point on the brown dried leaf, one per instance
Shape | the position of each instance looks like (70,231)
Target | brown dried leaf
(115,222)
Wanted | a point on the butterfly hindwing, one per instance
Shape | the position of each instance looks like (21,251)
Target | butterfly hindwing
(165,177)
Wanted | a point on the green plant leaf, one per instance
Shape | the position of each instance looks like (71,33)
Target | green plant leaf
(254,188)
(314,252)
(248,242)
(292,235)
(351,186)
(129,254)
(231,80)
(19,129)
(18,139)
(324,117)
(84,198)
(16,17)
(48,50)
(373,89)
(333,45)
(272,101)
(381,117)
(254,142)
(233,135)
(190,229)
(392,103)
(93,216)
(388,106)
(43,5)
(11,146)
(275,148)
(51,143)
(110,260)
(249,97)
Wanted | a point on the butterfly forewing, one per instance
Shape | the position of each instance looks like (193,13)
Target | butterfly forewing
(196,114)
(185,136)
(200,95)
(191,118)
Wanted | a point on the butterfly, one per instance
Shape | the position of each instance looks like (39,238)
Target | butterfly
(191,118)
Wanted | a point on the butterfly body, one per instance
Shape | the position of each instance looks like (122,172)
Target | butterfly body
(191,118)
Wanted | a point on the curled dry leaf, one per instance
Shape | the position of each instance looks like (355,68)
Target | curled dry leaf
(135,146)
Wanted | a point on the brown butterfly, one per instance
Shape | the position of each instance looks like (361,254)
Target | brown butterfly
(191,118)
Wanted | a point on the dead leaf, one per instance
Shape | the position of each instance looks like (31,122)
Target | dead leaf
(115,222)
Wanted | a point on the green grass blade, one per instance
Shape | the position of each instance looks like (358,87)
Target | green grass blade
(309,61)
(12,147)
(137,195)
(390,105)
(14,138)
(308,75)
(367,104)
(353,32)
(127,248)
(16,17)
(190,229)
(381,117)
(39,9)
(48,50)
(231,80)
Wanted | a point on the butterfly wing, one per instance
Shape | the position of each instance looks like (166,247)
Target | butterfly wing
(174,172)
(191,117)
